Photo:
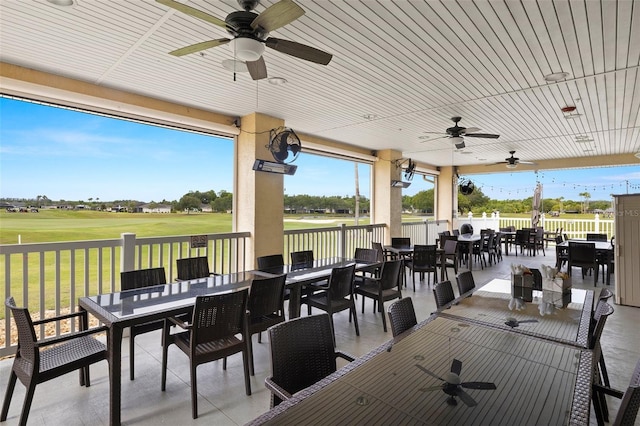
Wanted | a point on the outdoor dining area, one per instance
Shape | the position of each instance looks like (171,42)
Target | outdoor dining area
(415,334)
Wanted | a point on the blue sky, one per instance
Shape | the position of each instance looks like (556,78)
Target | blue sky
(74,156)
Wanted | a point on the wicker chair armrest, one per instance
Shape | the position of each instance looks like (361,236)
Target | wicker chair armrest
(70,336)
(609,391)
(367,280)
(59,318)
(276,389)
(319,287)
(345,355)
(179,322)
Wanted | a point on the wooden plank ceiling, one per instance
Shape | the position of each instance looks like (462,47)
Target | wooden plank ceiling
(400,69)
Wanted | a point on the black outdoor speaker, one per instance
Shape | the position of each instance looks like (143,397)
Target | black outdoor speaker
(466,229)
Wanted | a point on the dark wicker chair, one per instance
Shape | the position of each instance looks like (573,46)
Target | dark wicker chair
(598,320)
(402,316)
(211,335)
(266,308)
(141,278)
(400,242)
(424,260)
(597,237)
(522,240)
(450,255)
(583,255)
(465,282)
(301,260)
(443,293)
(336,296)
(302,353)
(193,267)
(382,253)
(274,263)
(37,361)
(366,255)
(382,289)
(562,253)
(630,404)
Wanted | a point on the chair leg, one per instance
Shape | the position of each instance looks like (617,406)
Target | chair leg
(384,320)
(247,380)
(603,371)
(352,310)
(7,396)
(194,391)
(250,352)
(131,349)
(28,399)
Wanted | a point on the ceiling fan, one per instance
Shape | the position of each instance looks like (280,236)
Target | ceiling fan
(250,31)
(456,133)
(512,162)
(452,385)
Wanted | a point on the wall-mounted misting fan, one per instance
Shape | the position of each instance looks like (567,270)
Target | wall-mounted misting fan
(283,142)
(466,187)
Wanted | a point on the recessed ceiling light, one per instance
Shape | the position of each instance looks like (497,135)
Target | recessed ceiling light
(583,140)
(556,76)
(424,137)
(588,150)
(482,159)
(277,81)
(466,152)
(62,3)
(369,116)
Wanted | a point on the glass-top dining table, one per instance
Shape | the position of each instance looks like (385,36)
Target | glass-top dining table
(120,310)
(411,380)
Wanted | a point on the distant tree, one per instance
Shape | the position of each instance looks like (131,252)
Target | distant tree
(189,202)
(585,203)
(223,202)
(423,200)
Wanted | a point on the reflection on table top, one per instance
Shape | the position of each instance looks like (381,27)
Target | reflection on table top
(550,315)
(537,382)
(316,270)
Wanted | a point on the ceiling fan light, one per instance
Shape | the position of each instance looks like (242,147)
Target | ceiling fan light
(456,140)
(62,3)
(556,76)
(248,49)
(511,166)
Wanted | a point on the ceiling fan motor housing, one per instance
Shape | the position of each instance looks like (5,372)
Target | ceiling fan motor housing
(239,25)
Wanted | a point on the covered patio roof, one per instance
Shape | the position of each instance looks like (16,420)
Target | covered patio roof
(400,70)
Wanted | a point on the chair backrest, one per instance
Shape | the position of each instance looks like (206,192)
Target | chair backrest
(443,240)
(390,275)
(424,256)
(630,404)
(26,333)
(465,282)
(141,278)
(218,316)
(402,316)
(597,237)
(301,259)
(559,239)
(399,242)
(341,282)
(443,293)
(582,253)
(379,251)
(450,246)
(266,296)
(522,236)
(302,352)
(456,232)
(365,254)
(191,268)
(272,263)
(605,294)
(600,315)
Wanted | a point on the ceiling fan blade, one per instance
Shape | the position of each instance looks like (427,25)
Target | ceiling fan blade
(526,162)
(430,373)
(481,135)
(466,398)
(456,366)
(470,130)
(496,163)
(199,46)
(277,15)
(257,69)
(298,50)
(193,12)
(478,385)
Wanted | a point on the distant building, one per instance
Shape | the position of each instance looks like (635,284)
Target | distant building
(154,208)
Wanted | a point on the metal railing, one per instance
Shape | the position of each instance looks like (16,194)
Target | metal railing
(340,241)
(48,278)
